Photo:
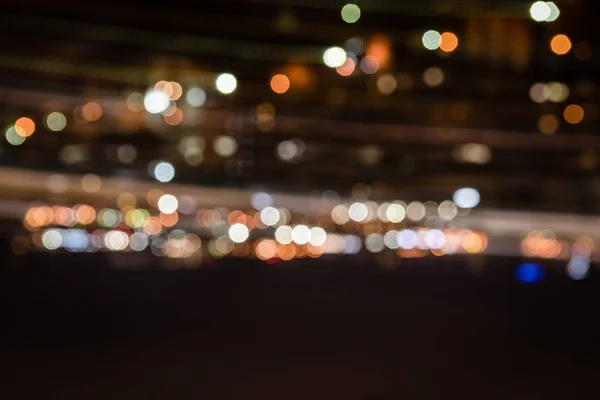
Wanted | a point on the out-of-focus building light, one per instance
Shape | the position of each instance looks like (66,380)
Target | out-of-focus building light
(374,243)
(529,272)
(52,239)
(540,11)
(108,217)
(447,210)
(135,102)
(173,90)
(395,213)
(56,121)
(554,11)
(351,244)
(280,83)
(116,240)
(340,214)
(358,212)
(156,101)
(269,216)
(474,153)
(283,234)
(226,83)
(560,44)
(318,236)
(415,211)
(578,267)
(431,40)
(369,65)
(300,234)
(13,137)
(196,97)
(433,76)
(138,241)
(24,126)
(260,200)
(175,117)
(448,42)
(573,114)
(347,68)
(539,92)
(350,13)
(225,146)
(163,171)
(435,239)
(91,111)
(168,203)
(126,153)
(407,239)
(290,150)
(355,45)
(548,124)
(238,233)
(466,198)
(334,57)
(386,84)
(390,239)
(557,92)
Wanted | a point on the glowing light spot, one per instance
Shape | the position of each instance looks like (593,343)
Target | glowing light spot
(435,239)
(138,241)
(226,83)
(173,90)
(156,101)
(395,213)
(466,198)
(578,267)
(474,153)
(369,65)
(109,217)
(52,239)
(280,83)
(334,57)
(260,200)
(238,233)
(168,204)
(539,92)
(540,11)
(554,11)
(557,92)
(175,117)
(447,210)
(266,249)
(56,121)
(24,127)
(573,114)
(13,137)
(225,146)
(300,234)
(433,76)
(340,214)
(548,124)
(407,239)
(350,13)
(374,243)
(135,102)
(318,236)
(269,216)
(351,244)
(196,97)
(358,212)
(283,234)
(560,44)
(163,171)
(448,42)
(529,273)
(116,240)
(415,211)
(290,150)
(431,40)
(347,68)
(386,84)
(91,111)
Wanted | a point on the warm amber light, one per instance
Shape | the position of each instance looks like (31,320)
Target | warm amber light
(560,44)
(573,114)
(347,68)
(448,42)
(280,83)
(548,124)
(175,118)
(24,127)
(168,220)
(92,111)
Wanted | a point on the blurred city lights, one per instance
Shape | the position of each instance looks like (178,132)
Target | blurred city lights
(431,40)
(395,213)
(163,171)
(91,111)
(226,83)
(369,65)
(466,198)
(24,127)
(448,42)
(13,137)
(540,11)
(280,83)
(573,114)
(548,124)
(433,76)
(301,234)
(334,57)
(554,11)
(238,233)
(347,68)
(374,243)
(260,200)
(578,267)
(156,101)
(318,236)
(52,239)
(560,44)
(358,212)
(283,234)
(269,216)
(529,272)
(350,13)
(386,84)
(135,102)
(407,239)
(195,97)
(415,211)
(56,121)
(168,204)
(225,146)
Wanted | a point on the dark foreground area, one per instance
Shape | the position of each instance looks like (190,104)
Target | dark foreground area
(74,329)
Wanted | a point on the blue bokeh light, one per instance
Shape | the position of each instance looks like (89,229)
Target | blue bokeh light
(529,272)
